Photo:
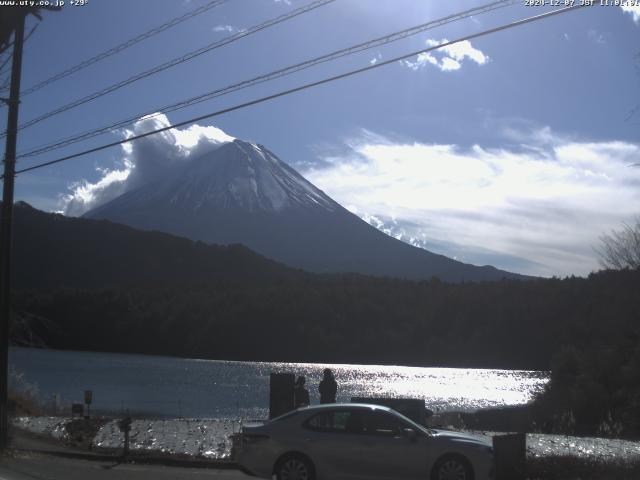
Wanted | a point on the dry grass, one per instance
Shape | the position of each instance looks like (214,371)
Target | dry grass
(24,404)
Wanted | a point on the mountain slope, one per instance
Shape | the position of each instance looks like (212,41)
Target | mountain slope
(51,250)
(242,193)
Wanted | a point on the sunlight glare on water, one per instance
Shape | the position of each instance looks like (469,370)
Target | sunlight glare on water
(442,388)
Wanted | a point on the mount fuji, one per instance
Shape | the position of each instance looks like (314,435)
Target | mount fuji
(243,193)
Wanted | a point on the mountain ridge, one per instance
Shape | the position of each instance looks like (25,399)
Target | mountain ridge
(52,250)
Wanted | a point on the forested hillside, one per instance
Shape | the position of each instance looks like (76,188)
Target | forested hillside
(508,324)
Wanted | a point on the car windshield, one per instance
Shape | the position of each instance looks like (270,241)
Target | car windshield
(411,424)
(285,416)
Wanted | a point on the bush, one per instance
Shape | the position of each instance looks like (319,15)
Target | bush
(594,391)
(24,397)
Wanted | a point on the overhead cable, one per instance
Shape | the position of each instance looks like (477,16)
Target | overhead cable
(374,43)
(290,91)
(176,61)
(123,46)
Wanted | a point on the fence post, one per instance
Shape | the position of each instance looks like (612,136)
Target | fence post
(125,427)
(281,394)
(509,452)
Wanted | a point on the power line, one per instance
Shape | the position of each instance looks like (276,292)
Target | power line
(4,64)
(377,42)
(31,32)
(179,60)
(307,86)
(274,74)
(123,46)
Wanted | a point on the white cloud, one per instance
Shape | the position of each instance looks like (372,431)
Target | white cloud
(544,204)
(633,10)
(461,50)
(225,28)
(376,58)
(447,58)
(449,64)
(85,194)
(143,161)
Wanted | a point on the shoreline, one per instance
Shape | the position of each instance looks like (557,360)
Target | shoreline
(212,439)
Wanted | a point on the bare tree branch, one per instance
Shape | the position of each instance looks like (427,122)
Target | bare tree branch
(620,249)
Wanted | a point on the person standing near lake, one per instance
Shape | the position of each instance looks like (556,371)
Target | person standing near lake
(328,387)
(300,393)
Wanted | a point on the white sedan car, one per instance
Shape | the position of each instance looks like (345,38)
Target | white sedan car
(360,441)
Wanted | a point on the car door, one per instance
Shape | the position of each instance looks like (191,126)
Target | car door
(338,444)
(390,452)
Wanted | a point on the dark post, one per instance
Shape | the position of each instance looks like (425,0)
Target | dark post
(88,396)
(281,394)
(510,452)
(125,452)
(5,227)
(125,427)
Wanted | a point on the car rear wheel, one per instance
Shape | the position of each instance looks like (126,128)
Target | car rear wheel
(452,467)
(295,467)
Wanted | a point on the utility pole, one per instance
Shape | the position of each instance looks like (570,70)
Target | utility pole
(5,226)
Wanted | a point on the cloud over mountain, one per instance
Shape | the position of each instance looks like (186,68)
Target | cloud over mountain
(544,200)
(143,161)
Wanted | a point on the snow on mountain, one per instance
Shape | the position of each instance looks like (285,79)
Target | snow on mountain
(243,193)
(248,177)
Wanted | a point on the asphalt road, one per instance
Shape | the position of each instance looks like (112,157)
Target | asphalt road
(31,466)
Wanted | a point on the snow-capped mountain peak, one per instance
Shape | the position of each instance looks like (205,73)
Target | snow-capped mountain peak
(237,175)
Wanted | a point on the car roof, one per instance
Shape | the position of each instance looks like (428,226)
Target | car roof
(343,406)
(308,412)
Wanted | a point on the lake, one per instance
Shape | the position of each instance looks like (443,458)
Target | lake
(184,387)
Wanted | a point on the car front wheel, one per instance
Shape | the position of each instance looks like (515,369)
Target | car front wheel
(295,467)
(452,467)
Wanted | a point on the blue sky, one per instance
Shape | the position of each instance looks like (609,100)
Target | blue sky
(511,150)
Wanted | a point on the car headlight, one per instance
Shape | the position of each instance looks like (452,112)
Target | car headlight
(483,448)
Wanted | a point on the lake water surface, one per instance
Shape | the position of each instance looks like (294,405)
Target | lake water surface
(175,387)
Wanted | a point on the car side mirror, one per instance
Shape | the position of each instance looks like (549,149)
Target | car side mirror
(410,433)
